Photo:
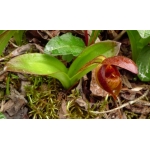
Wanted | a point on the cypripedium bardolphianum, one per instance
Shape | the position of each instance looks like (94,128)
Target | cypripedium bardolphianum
(108,76)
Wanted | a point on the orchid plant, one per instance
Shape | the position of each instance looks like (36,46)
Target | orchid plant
(102,56)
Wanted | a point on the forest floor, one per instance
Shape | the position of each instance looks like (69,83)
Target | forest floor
(24,96)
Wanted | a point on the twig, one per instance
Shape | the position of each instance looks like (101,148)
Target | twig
(40,48)
(13,44)
(123,114)
(124,105)
(119,35)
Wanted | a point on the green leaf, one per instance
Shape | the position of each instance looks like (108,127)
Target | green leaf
(143,63)
(4,39)
(107,48)
(2,116)
(134,39)
(93,36)
(83,72)
(138,39)
(1,31)
(41,64)
(64,45)
(18,36)
(68,58)
(35,63)
(145,37)
(144,33)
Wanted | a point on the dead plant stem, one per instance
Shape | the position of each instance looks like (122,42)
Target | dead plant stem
(119,35)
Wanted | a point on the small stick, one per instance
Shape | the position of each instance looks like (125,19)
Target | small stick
(119,35)
(124,105)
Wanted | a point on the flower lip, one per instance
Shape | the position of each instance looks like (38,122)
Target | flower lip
(108,78)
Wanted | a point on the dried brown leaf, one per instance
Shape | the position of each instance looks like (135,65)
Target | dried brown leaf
(63,110)
(16,102)
(52,33)
(81,103)
(125,81)
(95,88)
(6,106)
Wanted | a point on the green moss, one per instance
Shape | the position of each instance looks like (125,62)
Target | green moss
(42,97)
(131,115)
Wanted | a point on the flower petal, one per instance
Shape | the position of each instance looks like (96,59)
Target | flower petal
(122,62)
